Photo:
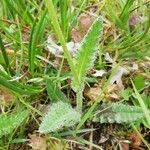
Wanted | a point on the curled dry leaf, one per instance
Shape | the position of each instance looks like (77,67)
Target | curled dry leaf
(37,142)
(114,88)
(112,97)
(99,73)
(58,50)
(117,78)
(92,93)
(113,91)
(108,58)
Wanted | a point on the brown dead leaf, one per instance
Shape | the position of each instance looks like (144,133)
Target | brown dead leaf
(58,62)
(76,35)
(133,21)
(6,95)
(37,142)
(57,144)
(146,62)
(85,22)
(112,97)
(92,93)
(125,146)
(10,52)
(25,34)
(115,88)
(135,139)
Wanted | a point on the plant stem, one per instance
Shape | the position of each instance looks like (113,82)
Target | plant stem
(79,100)
(58,31)
(60,36)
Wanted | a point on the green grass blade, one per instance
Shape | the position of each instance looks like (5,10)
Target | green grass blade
(65,13)
(7,64)
(142,104)
(124,16)
(55,94)
(10,122)
(16,86)
(25,13)
(34,37)
(139,38)
(59,34)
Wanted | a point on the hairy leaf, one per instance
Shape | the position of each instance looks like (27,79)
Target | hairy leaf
(10,122)
(85,56)
(60,115)
(119,113)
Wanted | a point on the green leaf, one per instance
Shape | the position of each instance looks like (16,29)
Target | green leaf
(16,86)
(118,113)
(125,94)
(10,122)
(86,54)
(139,82)
(60,115)
(4,54)
(142,104)
(54,93)
(36,34)
(124,16)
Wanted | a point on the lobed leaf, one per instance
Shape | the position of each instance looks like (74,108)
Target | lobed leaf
(10,122)
(86,54)
(119,113)
(60,115)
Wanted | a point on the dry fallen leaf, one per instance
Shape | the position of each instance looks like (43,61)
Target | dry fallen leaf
(85,22)
(108,58)
(135,139)
(133,21)
(114,88)
(99,73)
(92,93)
(125,146)
(112,97)
(76,35)
(37,142)
(6,95)
(57,144)
(58,50)
(117,77)
(10,51)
